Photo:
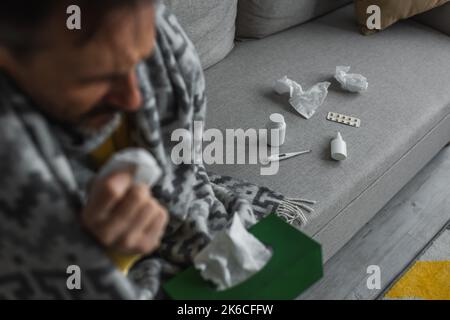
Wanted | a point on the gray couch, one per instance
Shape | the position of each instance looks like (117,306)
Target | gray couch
(405,113)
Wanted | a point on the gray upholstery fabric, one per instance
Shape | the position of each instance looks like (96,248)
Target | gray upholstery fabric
(210,24)
(408,72)
(438,18)
(260,18)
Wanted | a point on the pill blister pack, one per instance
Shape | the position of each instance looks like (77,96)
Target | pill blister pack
(341,118)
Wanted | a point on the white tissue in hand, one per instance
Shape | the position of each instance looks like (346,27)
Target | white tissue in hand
(147,170)
(350,81)
(304,102)
(232,257)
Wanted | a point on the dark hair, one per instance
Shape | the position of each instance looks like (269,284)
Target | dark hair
(19,19)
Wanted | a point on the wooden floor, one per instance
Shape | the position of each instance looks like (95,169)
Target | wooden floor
(397,234)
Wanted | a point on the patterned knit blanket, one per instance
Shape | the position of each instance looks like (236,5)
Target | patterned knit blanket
(45,173)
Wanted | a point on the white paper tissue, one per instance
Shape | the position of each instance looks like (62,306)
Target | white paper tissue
(307,102)
(350,81)
(232,257)
(284,85)
(146,169)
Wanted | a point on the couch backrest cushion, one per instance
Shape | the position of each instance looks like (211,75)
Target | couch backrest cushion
(260,18)
(438,18)
(210,24)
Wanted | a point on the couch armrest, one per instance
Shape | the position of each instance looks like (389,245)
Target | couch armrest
(438,18)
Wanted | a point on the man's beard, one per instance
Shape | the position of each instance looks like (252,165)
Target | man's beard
(102,132)
(84,138)
(85,125)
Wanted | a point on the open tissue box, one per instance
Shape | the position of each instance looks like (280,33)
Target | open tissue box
(295,265)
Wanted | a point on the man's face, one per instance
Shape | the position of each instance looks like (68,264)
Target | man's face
(86,85)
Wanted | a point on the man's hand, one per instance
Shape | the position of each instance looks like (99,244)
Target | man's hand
(124,216)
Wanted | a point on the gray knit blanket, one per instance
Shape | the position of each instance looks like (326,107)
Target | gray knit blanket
(44,174)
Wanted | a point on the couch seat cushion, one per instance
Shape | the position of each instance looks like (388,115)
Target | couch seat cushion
(403,113)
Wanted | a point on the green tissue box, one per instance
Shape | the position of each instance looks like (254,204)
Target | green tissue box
(295,265)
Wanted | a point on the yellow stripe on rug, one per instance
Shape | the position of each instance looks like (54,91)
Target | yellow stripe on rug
(428,280)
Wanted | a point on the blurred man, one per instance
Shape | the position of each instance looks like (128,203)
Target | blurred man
(71,99)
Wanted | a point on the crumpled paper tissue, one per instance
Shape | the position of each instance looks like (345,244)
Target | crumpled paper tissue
(146,169)
(350,81)
(304,102)
(232,257)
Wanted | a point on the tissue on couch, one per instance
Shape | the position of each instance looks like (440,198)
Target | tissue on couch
(350,81)
(304,102)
